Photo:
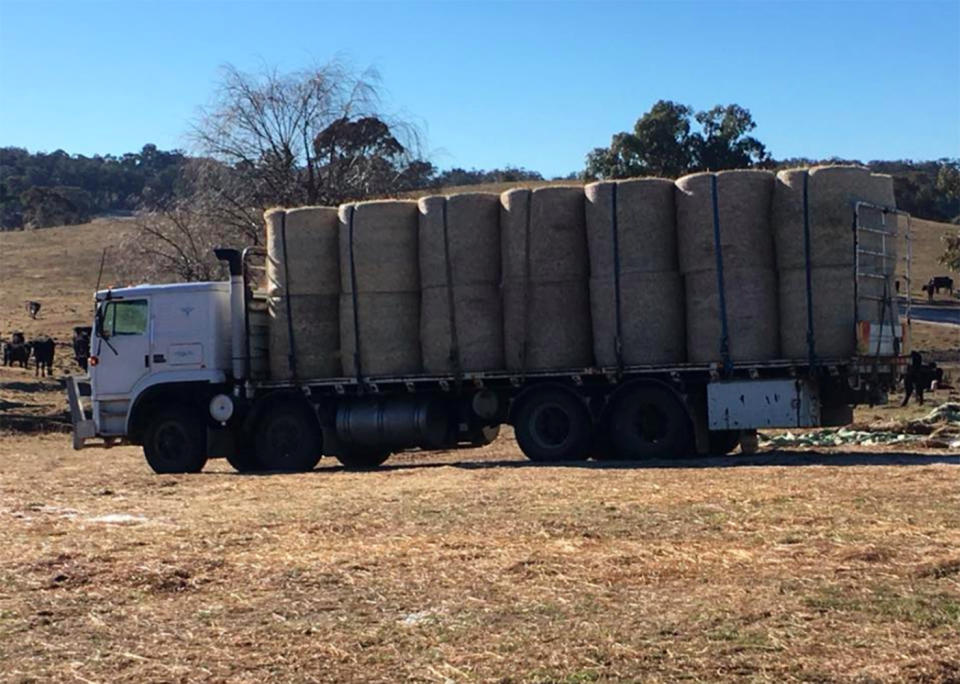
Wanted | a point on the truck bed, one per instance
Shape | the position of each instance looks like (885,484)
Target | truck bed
(778,368)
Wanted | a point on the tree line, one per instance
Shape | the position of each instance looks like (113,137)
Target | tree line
(39,190)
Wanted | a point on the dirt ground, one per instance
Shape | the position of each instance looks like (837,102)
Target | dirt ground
(827,565)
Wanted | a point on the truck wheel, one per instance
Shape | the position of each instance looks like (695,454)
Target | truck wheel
(722,442)
(552,425)
(650,422)
(175,442)
(362,460)
(244,458)
(288,439)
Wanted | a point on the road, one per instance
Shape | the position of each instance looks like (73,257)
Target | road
(934,314)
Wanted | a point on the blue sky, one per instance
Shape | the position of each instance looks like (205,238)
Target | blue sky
(499,83)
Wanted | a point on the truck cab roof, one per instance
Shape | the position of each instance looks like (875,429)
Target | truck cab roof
(168,288)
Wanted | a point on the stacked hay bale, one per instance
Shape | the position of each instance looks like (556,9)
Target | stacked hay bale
(379,273)
(748,267)
(303,286)
(546,305)
(461,326)
(832,192)
(633,258)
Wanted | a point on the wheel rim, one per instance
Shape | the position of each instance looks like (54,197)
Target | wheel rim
(552,426)
(650,423)
(172,442)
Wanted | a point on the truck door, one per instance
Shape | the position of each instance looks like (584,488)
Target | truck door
(122,346)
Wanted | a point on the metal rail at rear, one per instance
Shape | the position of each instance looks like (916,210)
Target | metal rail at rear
(880,265)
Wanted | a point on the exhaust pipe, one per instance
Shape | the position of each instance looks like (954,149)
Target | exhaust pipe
(238,328)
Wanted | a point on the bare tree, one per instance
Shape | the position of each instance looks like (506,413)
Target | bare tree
(264,126)
(174,243)
(269,139)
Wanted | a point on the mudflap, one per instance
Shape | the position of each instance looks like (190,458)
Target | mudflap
(78,386)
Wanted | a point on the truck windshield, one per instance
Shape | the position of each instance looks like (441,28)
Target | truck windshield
(124,318)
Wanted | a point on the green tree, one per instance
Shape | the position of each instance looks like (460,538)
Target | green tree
(948,183)
(660,145)
(951,252)
(664,143)
(723,142)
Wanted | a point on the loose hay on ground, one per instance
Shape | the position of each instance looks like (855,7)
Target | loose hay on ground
(438,568)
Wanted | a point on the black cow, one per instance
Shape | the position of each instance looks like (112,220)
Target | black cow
(941,283)
(43,349)
(16,351)
(81,345)
(33,308)
(919,378)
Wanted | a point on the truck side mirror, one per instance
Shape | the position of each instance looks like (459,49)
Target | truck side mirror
(98,324)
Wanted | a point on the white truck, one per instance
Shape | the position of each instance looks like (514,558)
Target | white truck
(178,369)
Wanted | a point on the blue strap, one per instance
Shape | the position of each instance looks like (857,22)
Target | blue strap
(353,294)
(718,250)
(618,339)
(451,299)
(811,352)
(292,355)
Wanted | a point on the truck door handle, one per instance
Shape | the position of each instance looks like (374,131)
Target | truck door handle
(146,360)
(159,358)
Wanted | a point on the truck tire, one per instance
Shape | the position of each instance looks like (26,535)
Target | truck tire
(362,460)
(175,442)
(288,439)
(244,457)
(722,442)
(553,425)
(650,422)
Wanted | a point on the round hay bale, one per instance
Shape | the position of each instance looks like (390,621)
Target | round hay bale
(832,192)
(833,312)
(311,262)
(384,265)
(258,321)
(752,320)
(389,333)
(646,233)
(311,238)
(743,199)
(316,334)
(473,242)
(546,301)
(473,229)
(385,246)
(652,314)
(547,325)
(558,244)
(478,314)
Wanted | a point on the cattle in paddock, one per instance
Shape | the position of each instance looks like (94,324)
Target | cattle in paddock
(937,283)
(16,351)
(81,345)
(942,283)
(33,309)
(43,349)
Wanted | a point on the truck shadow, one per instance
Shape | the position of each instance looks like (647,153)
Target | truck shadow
(773,458)
(770,458)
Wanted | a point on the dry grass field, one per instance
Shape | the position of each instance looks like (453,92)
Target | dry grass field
(840,564)
(480,566)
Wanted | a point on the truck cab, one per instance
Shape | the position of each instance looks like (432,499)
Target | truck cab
(153,344)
